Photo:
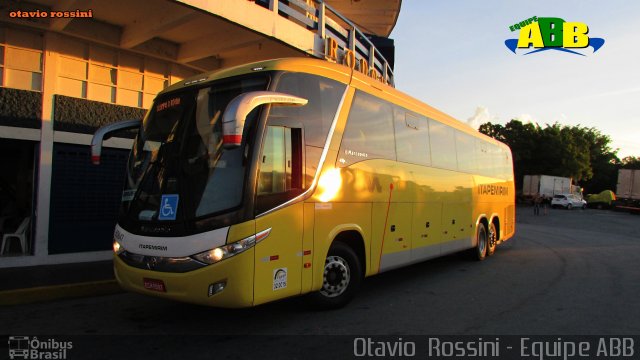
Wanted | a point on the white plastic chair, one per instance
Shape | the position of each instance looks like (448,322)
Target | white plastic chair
(20,234)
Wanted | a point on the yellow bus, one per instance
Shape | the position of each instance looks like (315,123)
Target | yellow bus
(294,176)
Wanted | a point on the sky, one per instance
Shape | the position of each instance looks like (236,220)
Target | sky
(451,55)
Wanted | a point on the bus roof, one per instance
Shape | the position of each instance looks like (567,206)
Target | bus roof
(314,66)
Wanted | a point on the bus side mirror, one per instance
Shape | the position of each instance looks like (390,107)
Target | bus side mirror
(236,112)
(103,133)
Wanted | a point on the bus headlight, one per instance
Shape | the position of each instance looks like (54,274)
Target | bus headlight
(117,247)
(224,252)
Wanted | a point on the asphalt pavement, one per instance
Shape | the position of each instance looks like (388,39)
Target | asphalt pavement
(568,273)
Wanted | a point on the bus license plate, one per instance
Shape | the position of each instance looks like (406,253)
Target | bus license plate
(155,285)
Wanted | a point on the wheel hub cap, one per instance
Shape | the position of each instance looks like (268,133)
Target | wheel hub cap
(336,276)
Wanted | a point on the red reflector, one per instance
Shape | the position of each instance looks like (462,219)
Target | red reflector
(307,265)
(307,252)
(95,159)
(232,139)
(274,257)
(155,285)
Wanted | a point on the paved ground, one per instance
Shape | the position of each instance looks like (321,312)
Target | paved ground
(54,275)
(569,273)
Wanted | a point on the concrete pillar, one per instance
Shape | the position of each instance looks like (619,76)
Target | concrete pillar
(43,199)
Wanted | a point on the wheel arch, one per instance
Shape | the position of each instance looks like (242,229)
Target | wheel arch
(351,235)
(337,283)
(355,241)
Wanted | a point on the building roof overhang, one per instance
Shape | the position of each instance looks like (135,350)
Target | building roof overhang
(376,17)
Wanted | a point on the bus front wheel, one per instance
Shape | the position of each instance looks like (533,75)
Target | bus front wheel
(341,278)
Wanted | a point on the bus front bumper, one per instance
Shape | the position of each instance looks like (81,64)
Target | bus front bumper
(201,286)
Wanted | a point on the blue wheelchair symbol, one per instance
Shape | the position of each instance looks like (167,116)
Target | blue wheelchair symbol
(168,207)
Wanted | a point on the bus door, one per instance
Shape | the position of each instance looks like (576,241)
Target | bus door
(278,256)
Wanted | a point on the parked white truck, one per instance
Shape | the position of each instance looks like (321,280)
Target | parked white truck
(547,186)
(628,190)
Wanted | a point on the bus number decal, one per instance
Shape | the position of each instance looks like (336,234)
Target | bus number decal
(279,279)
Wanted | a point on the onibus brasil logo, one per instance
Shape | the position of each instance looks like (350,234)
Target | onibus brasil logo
(550,33)
(26,347)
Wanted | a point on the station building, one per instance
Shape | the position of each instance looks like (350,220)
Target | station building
(68,67)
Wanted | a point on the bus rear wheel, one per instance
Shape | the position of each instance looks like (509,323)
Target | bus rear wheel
(492,240)
(341,278)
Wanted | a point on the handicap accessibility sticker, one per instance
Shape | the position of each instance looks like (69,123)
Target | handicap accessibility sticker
(168,207)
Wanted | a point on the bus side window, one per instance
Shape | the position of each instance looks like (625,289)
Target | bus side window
(508,165)
(443,145)
(465,149)
(323,95)
(280,175)
(412,138)
(315,118)
(482,156)
(369,133)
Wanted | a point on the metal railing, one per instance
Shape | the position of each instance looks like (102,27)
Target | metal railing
(327,23)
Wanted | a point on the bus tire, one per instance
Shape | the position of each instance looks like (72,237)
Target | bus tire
(479,252)
(341,279)
(492,239)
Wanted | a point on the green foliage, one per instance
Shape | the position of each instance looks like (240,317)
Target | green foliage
(581,153)
(631,162)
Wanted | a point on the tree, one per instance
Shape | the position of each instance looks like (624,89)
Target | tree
(581,153)
(496,131)
(631,162)
(603,160)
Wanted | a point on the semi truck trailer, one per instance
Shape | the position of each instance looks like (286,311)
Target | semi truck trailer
(628,190)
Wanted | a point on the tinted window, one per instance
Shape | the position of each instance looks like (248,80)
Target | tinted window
(412,138)
(316,117)
(508,165)
(482,156)
(211,173)
(280,176)
(273,174)
(497,160)
(443,145)
(369,131)
(493,160)
(466,152)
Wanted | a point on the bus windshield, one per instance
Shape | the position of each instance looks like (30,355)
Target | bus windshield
(178,169)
